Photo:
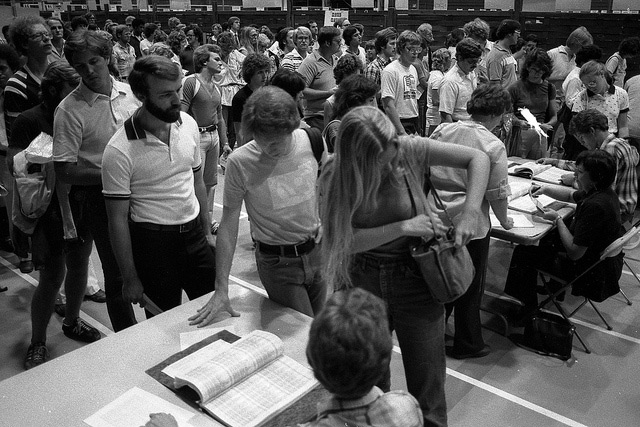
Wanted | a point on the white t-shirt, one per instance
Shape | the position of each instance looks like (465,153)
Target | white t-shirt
(401,84)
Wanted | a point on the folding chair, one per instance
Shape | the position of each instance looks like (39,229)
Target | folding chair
(632,244)
(614,249)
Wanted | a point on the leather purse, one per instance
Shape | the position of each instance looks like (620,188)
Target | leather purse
(447,270)
(547,334)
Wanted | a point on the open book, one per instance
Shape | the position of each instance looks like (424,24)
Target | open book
(519,200)
(544,173)
(246,383)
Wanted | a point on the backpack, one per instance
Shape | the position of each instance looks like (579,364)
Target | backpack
(317,145)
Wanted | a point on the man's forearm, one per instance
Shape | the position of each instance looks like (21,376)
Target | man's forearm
(390,109)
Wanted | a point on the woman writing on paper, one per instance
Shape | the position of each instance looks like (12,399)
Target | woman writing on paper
(367,195)
(486,106)
(574,248)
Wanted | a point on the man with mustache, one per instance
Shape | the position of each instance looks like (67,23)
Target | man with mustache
(155,194)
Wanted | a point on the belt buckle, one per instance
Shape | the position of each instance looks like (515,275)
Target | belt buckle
(295,250)
(184,227)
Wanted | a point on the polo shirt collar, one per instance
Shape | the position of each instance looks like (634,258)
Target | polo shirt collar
(611,90)
(335,404)
(91,96)
(134,130)
(318,57)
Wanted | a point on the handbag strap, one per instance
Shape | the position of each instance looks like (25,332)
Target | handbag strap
(436,197)
(424,209)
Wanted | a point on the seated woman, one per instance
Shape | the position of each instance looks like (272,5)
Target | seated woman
(534,92)
(572,249)
(354,91)
(486,106)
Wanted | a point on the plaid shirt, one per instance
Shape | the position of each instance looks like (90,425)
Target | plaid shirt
(374,69)
(392,409)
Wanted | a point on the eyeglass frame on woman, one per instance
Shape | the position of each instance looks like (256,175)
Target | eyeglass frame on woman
(40,36)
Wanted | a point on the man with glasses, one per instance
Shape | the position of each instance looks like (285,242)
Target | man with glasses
(502,67)
(460,82)
(57,41)
(293,59)
(317,71)
(399,85)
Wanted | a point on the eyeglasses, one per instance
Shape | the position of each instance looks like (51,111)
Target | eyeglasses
(40,36)
(414,49)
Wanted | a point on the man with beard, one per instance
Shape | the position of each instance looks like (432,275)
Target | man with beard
(83,124)
(155,194)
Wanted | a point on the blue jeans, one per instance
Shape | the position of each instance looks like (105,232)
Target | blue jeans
(419,324)
(294,282)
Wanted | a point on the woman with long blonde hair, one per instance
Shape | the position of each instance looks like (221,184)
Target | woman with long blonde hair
(369,193)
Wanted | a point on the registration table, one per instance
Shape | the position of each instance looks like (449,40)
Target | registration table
(66,390)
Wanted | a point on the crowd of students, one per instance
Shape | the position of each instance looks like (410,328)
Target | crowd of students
(325,142)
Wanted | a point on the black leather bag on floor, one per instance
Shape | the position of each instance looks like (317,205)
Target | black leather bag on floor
(547,334)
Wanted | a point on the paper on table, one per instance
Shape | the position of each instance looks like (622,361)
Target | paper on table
(187,339)
(133,408)
(519,221)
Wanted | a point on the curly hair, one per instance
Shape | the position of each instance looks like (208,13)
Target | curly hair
(252,64)
(350,345)
(468,49)
(269,112)
(629,47)
(20,31)
(83,40)
(585,120)
(600,165)
(592,67)
(346,66)
(441,60)
(454,37)
(290,81)
(506,27)
(588,53)
(55,76)
(489,100)
(477,28)
(201,55)
(537,58)
(353,92)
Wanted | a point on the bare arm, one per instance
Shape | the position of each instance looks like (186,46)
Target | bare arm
(623,127)
(318,94)
(500,208)
(72,174)
(201,195)
(226,246)
(564,194)
(365,239)
(390,109)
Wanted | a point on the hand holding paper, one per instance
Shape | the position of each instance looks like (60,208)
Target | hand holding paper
(531,120)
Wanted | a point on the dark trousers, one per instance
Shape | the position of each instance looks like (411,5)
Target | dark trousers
(169,261)
(90,216)
(412,126)
(468,328)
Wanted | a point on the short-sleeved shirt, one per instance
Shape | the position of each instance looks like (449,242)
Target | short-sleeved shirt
(85,121)
(455,92)
(571,86)
(292,60)
(203,105)
(436,77)
(626,183)
(156,178)
(617,66)
(502,67)
(279,193)
(632,86)
(317,73)
(534,96)
(392,409)
(20,94)
(561,66)
(230,78)
(374,69)
(125,58)
(237,105)
(613,102)
(400,83)
(452,182)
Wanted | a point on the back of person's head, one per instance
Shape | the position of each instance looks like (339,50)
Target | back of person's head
(629,47)
(20,31)
(454,37)
(489,100)
(201,55)
(477,29)
(9,54)
(173,22)
(531,38)
(441,60)
(578,38)
(383,37)
(281,37)
(354,91)
(408,38)
(346,66)
(600,165)
(252,64)
(588,53)
(82,40)
(137,22)
(55,76)
(348,33)
(506,27)
(151,65)
(586,120)
(290,81)
(537,58)
(149,29)
(350,345)
(326,34)
(78,22)
(226,41)
(269,112)
(592,68)
(468,48)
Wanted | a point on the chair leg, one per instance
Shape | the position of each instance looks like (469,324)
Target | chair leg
(631,270)
(625,297)
(564,314)
(600,314)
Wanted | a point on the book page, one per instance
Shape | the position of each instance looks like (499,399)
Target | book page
(552,175)
(528,169)
(525,204)
(232,365)
(263,395)
(195,359)
(518,189)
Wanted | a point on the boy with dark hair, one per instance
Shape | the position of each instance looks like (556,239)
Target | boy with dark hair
(349,349)
(501,65)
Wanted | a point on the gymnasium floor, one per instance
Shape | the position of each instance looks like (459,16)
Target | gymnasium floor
(509,387)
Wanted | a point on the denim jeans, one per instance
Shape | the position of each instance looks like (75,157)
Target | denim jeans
(294,282)
(92,223)
(419,324)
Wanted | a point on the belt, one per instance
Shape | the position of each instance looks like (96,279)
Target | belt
(210,128)
(178,228)
(287,250)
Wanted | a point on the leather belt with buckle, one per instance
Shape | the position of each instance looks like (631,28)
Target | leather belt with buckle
(287,250)
(211,128)
(177,228)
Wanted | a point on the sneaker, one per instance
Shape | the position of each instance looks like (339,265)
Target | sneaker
(99,296)
(81,331)
(37,354)
(60,309)
(214,227)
